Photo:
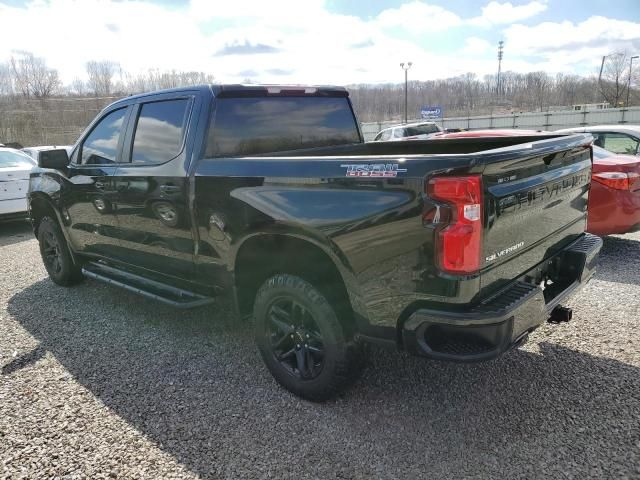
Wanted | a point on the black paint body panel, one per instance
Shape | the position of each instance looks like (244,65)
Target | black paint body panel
(371,228)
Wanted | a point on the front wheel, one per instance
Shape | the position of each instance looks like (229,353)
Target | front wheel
(55,254)
(301,340)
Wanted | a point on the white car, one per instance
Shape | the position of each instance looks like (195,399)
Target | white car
(409,131)
(623,139)
(34,152)
(15,167)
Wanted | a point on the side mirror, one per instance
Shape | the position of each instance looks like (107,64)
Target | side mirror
(56,159)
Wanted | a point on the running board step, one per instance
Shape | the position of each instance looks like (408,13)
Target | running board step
(176,297)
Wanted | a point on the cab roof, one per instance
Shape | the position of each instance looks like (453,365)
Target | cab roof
(241,90)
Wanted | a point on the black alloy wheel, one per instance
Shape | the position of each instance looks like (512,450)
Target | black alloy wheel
(295,338)
(304,338)
(51,253)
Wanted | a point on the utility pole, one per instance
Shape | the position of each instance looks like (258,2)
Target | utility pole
(600,77)
(500,53)
(406,68)
(629,81)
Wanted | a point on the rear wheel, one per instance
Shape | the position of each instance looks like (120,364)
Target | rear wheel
(55,254)
(301,340)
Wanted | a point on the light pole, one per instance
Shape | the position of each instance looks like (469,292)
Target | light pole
(629,81)
(406,68)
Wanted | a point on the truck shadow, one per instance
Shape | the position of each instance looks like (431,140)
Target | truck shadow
(194,385)
(619,260)
(15,232)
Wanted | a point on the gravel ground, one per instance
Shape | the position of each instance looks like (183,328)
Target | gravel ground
(99,383)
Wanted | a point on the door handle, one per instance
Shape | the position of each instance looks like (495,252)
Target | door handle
(100,185)
(169,188)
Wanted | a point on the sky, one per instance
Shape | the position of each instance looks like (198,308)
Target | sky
(321,41)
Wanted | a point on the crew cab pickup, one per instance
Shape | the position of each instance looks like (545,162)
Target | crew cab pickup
(449,249)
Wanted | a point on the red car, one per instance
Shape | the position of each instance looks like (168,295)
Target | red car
(614,199)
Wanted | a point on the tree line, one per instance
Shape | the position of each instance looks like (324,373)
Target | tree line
(468,94)
(37,108)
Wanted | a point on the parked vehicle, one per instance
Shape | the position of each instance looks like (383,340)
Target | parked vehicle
(454,250)
(409,131)
(623,139)
(484,133)
(36,152)
(14,183)
(614,200)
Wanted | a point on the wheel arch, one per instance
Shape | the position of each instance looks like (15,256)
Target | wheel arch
(40,205)
(263,255)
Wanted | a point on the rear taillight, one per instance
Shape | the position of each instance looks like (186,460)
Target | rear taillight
(618,180)
(459,244)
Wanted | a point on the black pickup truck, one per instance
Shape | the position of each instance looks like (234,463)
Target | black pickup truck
(450,249)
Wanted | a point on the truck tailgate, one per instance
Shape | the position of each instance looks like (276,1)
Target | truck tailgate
(535,204)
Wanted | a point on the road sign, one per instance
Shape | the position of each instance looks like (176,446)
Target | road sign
(431,112)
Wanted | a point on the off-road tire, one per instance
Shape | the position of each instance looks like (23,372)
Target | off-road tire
(55,254)
(342,359)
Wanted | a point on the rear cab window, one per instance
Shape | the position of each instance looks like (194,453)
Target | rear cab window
(245,126)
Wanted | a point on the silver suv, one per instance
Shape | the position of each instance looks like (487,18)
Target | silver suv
(409,131)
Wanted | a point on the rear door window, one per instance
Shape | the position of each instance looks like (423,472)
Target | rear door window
(619,143)
(249,126)
(422,130)
(159,134)
(398,133)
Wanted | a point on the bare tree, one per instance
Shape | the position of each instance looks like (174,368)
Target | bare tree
(612,81)
(101,75)
(537,85)
(6,81)
(78,87)
(32,77)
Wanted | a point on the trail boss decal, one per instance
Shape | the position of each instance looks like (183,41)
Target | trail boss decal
(373,170)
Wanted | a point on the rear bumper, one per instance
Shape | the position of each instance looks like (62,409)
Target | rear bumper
(505,320)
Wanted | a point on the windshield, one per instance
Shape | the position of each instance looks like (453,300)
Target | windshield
(421,130)
(9,159)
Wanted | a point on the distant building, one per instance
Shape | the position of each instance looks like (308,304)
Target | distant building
(591,106)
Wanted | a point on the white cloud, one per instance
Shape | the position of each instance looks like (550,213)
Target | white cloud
(69,33)
(278,11)
(567,44)
(476,46)
(286,41)
(418,17)
(495,13)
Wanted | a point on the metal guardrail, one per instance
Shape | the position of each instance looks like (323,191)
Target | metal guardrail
(552,120)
